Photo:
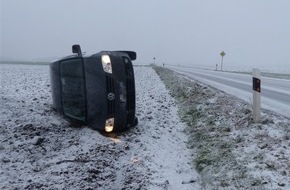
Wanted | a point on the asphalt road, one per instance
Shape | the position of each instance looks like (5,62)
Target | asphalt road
(275,93)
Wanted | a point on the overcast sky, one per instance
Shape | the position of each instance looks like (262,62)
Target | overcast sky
(252,33)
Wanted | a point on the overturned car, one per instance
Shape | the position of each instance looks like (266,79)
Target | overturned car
(97,90)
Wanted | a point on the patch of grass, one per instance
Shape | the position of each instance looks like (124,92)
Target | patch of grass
(193,114)
(259,157)
(226,129)
(204,158)
(210,121)
(243,174)
(239,139)
(270,165)
(256,182)
(225,145)
(224,183)
(200,136)
(209,131)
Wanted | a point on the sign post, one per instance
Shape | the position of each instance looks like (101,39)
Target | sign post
(222,54)
(256,95)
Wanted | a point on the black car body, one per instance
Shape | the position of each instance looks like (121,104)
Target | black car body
(97,90)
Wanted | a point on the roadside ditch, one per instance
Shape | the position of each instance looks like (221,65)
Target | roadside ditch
(230,151)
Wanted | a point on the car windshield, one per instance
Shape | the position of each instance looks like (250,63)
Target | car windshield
(73,89)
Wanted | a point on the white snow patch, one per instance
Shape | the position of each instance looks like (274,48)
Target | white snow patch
(40,149)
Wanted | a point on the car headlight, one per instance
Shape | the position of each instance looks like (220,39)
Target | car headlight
(106,62)
(109,126)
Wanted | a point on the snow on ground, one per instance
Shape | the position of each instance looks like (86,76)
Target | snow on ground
(41,150)
(231,151)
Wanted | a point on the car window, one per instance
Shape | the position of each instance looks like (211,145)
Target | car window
(73,88)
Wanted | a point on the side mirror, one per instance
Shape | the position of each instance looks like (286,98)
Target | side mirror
(77,49)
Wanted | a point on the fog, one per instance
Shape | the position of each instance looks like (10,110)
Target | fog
(185,32)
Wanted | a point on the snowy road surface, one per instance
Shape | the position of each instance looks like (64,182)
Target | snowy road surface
(41,150)
(275,93)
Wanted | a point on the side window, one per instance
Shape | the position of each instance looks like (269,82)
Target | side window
(73,89)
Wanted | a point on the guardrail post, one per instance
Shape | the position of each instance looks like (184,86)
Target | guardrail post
(256,95)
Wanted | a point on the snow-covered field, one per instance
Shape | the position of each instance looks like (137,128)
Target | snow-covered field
(217,146)
(41,150)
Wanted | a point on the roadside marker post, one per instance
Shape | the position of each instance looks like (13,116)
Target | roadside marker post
(256,95)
